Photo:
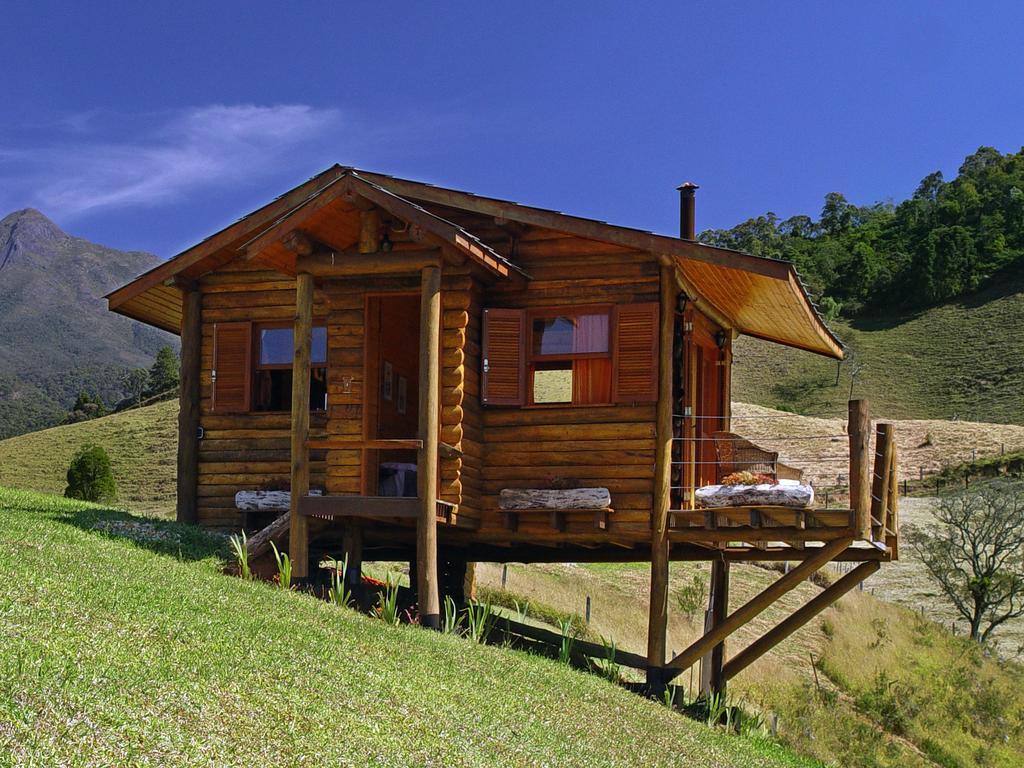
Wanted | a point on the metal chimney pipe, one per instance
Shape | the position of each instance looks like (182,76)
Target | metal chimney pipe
(687,218)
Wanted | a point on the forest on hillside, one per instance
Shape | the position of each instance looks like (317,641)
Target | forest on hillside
(947,240)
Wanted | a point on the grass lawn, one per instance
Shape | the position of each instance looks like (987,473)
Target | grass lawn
(123,644)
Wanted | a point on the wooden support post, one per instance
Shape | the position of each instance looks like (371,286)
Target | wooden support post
(780,632)
(713,681)
(880,480)
(892,520)
(352,545)
(860,467)
(298,532)
(188,406)
(657,625)
(369,231)
(756,605)
(429,414)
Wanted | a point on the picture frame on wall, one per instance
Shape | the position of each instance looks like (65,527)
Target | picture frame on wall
(403,395)
(387,380)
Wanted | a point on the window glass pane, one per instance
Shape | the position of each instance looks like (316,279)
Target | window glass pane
(318,353)
(552,386)
(276,346)
(566,335)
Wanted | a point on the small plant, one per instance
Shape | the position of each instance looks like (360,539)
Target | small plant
(451,617)
(89,476)
(753,726)
(522,610)
(717,710)
(690,597)
(610,668)
(339,593)
(668,696)
(387,604)
(240,547)
(284,567)
(480,620)
(828,629)
(568,640)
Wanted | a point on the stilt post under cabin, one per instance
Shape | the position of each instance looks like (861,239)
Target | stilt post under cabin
(859,430)
(188,405)
(713,679)
(427,464)
(657,625)
(298,531)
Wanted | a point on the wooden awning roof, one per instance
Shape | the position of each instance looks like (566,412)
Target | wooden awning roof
(753,295)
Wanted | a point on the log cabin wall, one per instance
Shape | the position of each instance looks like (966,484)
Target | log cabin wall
(244,451)
(609,446)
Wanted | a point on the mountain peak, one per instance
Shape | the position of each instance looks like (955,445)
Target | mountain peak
(29,227)
(27,232)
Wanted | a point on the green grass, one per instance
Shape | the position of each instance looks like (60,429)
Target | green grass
(142,445)
(121,651)
(965,359)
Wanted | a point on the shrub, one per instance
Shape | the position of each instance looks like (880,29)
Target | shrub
(89,476)
(690,597)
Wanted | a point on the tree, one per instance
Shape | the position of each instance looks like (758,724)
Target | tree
(134,383)
(87,406)
(975,554)
(89,476)
(163,375)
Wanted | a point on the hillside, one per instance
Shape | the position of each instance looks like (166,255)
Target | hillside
(58,337)
(159,659)
(962,359)
(142,444)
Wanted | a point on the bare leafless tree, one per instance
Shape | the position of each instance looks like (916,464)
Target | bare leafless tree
(975,553)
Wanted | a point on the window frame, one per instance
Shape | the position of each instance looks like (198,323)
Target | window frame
(532,359)
(257,365)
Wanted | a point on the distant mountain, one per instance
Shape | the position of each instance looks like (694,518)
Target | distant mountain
(56,336)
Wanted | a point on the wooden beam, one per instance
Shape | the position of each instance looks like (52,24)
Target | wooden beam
(350,264)
(358,445)
(784,629)
(359,506)
(657,622)
(369,231)
(755,605)
(427,459)
(859,430)
(188,406)
(298,537)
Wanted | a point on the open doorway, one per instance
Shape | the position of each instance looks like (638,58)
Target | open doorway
(392,400)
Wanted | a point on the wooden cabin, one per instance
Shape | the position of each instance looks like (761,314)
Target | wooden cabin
(401,359)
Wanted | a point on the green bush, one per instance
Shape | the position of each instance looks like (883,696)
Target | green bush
(89,476)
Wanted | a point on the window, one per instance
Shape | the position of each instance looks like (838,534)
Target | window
(582,355)
(569,358)
(272,375)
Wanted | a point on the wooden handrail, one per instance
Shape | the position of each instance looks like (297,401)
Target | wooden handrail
(378,445)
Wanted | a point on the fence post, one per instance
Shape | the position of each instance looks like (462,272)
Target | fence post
(860,467)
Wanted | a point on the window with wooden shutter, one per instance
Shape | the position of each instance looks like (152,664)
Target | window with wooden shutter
(635,353)
(504,369)
(232,347)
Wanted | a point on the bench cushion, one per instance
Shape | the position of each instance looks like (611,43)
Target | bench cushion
(513,499)
(785,493)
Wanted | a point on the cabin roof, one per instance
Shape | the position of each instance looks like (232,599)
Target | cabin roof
(754,295)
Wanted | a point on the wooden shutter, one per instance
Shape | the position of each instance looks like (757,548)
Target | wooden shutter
(504,359)
(232,364)
(635,353)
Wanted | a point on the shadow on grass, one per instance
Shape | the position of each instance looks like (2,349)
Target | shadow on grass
(184,542)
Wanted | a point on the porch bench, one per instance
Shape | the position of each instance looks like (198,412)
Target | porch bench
(557,506)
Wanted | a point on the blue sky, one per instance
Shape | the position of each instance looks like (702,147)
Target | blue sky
(150,125)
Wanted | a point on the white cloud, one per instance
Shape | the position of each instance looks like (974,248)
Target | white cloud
(186,151)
